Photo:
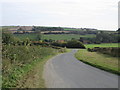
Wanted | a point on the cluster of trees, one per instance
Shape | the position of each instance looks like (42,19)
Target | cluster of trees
(107,38)
(37,28)
(102,37)
(9,39)
(83,32)
(112,51)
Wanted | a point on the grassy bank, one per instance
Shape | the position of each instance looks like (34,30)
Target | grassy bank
(101,45)
(98,60)
(20,63)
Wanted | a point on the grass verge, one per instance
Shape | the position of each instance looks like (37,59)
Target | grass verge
(101,61)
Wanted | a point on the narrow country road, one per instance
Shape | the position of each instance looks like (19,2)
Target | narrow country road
(65,71)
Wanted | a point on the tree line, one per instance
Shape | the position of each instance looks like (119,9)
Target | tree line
(102,37)
(37,28)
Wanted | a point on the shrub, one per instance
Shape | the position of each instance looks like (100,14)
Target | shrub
(75,44)
(56,44)
(112,51)
(17,60)
(7,37)
(69,44)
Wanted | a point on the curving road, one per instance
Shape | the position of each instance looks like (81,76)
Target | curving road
(65,71)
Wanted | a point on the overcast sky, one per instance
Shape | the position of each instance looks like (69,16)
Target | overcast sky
(99,14)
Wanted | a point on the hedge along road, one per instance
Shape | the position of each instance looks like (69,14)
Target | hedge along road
(65,71)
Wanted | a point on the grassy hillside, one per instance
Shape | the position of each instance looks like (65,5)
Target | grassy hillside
(23,36)
(71,29)
(65,36)
(102,61)
(53,36)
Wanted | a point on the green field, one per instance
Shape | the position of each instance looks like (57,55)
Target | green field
(24,36)
(98,60)
(71,29)
(65,36)
(53,36)
(101,45)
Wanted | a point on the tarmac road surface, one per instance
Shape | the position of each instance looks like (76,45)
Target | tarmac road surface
(65,71)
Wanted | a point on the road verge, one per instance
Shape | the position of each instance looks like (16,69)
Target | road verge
(101,61)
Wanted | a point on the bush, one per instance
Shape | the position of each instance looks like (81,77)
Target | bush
(16,61)
(90,50)
(56,44)
(112,51)
(7,38)
(75,44)
(69,44)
